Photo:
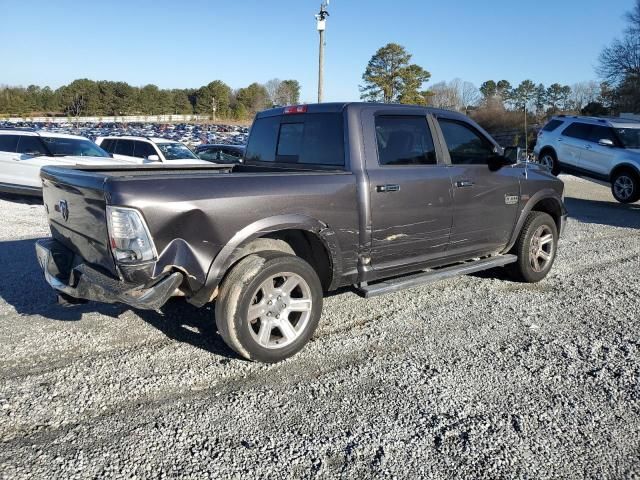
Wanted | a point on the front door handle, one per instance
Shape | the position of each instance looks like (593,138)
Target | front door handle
(464,183)
(387,188)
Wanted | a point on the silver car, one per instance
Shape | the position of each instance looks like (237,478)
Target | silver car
(606,149)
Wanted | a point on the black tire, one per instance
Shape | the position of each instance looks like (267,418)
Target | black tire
(550,160)
(625,186)
(523,270)
(239,291)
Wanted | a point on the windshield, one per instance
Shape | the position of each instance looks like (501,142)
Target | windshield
(630,137)
(62,147)
(175,151)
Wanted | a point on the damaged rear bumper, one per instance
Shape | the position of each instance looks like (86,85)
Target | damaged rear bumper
(80,281)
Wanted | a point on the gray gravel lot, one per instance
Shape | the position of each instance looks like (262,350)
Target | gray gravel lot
(476,377)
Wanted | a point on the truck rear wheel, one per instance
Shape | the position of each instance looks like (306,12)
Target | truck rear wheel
(269,306)
(536,248)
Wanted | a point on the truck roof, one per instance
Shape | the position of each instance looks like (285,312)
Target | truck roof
(332,107)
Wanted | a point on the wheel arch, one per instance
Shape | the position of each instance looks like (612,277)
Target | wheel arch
(547,201)
(307,237)
(624,167)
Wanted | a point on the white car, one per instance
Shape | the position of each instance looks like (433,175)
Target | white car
(606,149)
(23,152)
(149,149)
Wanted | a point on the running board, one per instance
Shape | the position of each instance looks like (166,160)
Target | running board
(422,278)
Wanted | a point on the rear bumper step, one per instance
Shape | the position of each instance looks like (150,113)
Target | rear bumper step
(422,278)
(85,283)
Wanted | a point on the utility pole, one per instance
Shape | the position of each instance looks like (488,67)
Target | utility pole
(526,139)
(321,18)
(213,109)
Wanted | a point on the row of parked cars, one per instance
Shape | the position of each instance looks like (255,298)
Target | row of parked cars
(24,151)
(192,135)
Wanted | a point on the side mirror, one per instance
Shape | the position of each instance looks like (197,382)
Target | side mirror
(153,158)
(606,142)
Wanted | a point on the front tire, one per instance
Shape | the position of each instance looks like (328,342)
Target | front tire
(625,187)
(269,306)
(536,248)
(549,160)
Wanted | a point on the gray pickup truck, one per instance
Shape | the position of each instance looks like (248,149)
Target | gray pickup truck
(376,197)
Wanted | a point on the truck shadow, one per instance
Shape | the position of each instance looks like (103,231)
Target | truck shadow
(182,322)
(24,199)
(24,288)
(604,213)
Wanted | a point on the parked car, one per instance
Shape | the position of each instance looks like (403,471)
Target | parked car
(219,153)
(606,149)
(24,152)
(148,149)
(329,195)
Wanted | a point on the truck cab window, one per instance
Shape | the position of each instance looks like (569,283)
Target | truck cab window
(404,140)
(466,145)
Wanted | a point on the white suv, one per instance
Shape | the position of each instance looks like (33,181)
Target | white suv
(606,149)
(23,152)
(148,149)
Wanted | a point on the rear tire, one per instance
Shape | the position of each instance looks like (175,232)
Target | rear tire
(269,306)
(625,186)
(550,160)
(535,248)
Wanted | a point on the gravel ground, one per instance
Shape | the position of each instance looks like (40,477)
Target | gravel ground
(476,377)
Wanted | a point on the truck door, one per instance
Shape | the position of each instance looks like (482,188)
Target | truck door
(30,156)
(409,191)
(485,200)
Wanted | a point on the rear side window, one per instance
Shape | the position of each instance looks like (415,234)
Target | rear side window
(404,140)
(578,130)
(107,145)
(552,125)
(263,140)
(8,143)
(124,147)
(143,150)
(310,139)
(31,146)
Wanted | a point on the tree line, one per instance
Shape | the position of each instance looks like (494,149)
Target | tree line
(391,77)
(85,97)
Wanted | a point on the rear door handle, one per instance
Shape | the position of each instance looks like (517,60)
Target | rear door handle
(464,183)
(387,188)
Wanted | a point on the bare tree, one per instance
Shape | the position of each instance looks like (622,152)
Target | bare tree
(621,59)
(445,95)
(633,17)
(470,95)
(273,86)
(583,93)
(77,104)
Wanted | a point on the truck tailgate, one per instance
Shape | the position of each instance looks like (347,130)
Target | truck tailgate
(75,204)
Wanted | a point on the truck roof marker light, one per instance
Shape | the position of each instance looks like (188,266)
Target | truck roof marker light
(293,109)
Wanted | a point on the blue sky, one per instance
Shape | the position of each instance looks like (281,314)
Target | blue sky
(187,43)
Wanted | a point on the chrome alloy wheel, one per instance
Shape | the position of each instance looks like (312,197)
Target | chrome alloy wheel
(623,187)
(280,310)
(547,161)
(541,250)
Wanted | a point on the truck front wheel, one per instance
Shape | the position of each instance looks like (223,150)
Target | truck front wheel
(536,248)
(269,306)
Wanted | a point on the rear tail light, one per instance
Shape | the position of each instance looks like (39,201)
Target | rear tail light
(129,236)
(293,109)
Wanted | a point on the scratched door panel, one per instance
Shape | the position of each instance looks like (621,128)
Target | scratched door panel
(412,224)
